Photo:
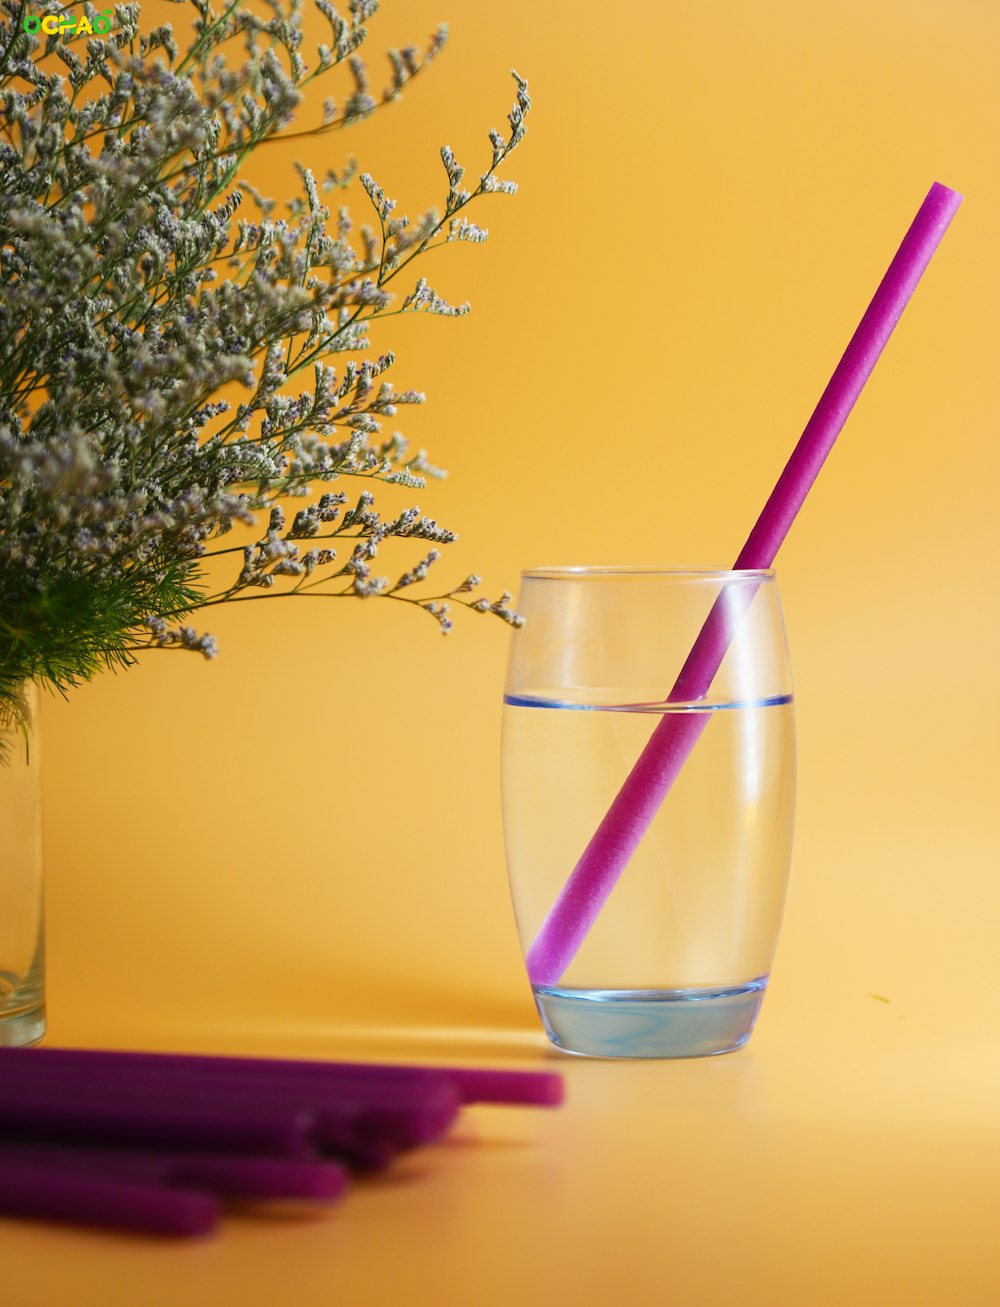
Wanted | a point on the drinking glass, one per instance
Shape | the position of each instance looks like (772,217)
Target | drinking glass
(22,946)
(677,960)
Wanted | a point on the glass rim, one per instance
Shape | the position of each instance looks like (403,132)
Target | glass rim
(585,572)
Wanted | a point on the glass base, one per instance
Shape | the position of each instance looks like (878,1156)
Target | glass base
(22,1028)
(22,1005)
(697,1022)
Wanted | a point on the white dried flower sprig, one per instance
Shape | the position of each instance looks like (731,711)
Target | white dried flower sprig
(141,274)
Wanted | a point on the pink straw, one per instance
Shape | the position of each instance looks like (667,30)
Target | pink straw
(638,801)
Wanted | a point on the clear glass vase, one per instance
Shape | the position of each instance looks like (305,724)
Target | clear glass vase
(22,919)
(673,811)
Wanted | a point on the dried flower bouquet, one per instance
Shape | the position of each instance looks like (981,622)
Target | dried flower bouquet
(144,280)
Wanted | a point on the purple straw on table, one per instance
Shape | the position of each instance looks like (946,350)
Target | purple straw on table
(224,1175)
(77,1113)
(473,1084)
(120,1203)
(103,1137)
(366,1125)
(361,1113)
(595,875)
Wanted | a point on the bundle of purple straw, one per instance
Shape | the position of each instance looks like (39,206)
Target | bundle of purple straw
(157,1142)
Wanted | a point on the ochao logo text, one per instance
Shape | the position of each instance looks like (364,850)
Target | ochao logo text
(68,25)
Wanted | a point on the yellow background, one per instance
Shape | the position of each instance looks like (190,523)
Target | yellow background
(298,847)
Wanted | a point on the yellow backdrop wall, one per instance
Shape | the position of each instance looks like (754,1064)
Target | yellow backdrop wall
(305,835)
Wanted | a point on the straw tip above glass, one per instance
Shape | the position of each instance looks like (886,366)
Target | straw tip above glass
(940,189)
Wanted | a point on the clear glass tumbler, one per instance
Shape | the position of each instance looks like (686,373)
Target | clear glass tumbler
(681,924)
(22,947)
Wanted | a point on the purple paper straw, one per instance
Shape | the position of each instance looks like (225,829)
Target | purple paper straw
(78,1114)
(363,1122)
(121,1204)
(226,1176)
(409,1113)
(474,1084)
(82,1106)
(594,877)
(511,1088)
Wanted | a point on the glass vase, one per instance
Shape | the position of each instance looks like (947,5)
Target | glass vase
(22,946)
(672,811)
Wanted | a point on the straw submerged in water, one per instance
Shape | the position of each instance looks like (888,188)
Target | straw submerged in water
(593,879)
